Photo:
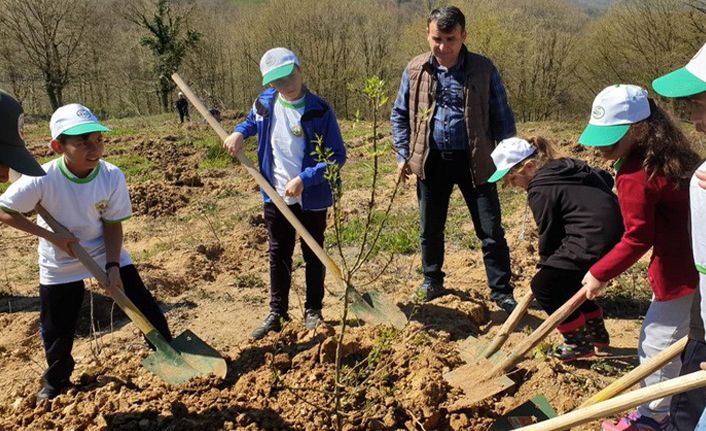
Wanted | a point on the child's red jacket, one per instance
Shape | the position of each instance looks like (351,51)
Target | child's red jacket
(655,215)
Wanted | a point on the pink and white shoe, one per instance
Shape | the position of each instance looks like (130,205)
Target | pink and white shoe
(635,422)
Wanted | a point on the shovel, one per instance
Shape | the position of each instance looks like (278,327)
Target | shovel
(473,347)
(479,384)
(639,373)
(369,307)
(623,402)
(187,356)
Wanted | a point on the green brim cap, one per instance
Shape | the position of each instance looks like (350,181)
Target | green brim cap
(278,73)
(498,175)
(82,129)
(680,83)
(603,136)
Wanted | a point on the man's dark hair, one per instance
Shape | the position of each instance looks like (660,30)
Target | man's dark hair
(447,18)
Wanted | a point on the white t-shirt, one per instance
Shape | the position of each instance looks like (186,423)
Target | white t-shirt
(82,205)
(697,203)
(287,144)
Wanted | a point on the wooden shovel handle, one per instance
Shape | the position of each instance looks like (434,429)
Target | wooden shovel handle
(331,266)
(621,403)
(509,326)
(82,255)
(639,373)
(540,333)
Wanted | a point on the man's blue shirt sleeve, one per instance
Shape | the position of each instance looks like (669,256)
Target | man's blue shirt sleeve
(502,120)
(399,119)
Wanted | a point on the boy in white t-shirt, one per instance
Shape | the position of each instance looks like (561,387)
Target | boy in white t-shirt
(89,196)
(287,119)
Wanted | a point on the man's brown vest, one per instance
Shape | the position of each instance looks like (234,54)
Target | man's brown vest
(477,71)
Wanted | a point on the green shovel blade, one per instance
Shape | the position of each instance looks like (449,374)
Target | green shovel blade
(185,358)
(535,410)
(372,308)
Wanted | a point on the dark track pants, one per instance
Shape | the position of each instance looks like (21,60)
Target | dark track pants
(282,238)
(59,308)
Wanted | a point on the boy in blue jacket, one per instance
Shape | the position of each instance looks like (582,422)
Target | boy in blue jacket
(287,119)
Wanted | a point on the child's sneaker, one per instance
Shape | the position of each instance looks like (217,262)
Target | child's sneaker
(576,345)
(598,334)
(635,422)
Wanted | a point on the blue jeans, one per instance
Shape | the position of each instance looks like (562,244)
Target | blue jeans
(443,171)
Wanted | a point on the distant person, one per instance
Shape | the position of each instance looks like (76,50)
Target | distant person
(13,152)
(89,196)
(216,113)
(654,161)
(689,84)
(182,106)
(578,221)
(287,119)
(450,111)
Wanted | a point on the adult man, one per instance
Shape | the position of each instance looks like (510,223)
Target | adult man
(450,112)
(13,153)
(182,105)
(689,83)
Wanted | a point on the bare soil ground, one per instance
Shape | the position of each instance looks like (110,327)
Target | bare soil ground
(199,241)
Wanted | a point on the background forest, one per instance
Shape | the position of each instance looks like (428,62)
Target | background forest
(115,56)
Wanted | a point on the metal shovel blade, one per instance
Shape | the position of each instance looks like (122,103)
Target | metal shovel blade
(535,410)
(472,348)
(186,357)
(372,308)
(473,379)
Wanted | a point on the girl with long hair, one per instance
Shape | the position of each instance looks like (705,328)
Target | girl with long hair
(654,162)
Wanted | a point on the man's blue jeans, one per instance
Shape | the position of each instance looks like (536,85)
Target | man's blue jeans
(443,171)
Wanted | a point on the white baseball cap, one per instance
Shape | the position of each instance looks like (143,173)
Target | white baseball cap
(684,82)
(614,110)
(277,63)
(507,154)
(74,119)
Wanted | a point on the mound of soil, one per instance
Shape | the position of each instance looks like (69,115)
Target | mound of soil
(165,152)
(393,379)
(156,199)
(183,176)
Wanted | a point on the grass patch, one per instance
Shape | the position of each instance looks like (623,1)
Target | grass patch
(134,167)
(120,131)
(247,281)
(214,155)
(400,235)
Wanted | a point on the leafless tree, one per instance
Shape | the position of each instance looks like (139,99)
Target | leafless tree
(50,34)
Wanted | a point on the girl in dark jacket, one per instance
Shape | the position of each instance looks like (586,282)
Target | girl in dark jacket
(578,221)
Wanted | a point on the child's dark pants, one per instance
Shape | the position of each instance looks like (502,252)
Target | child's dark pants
(553,287)
(686,408)
(282,239)
(58,314)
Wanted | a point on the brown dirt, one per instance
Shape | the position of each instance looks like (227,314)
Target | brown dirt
(156,199)
(210,273)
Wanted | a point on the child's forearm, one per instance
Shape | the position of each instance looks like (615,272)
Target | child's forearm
(113,238)
(20,222)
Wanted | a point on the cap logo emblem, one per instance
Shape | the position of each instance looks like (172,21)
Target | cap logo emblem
(84,113)
(270,61)
(598,112)
(20,126)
